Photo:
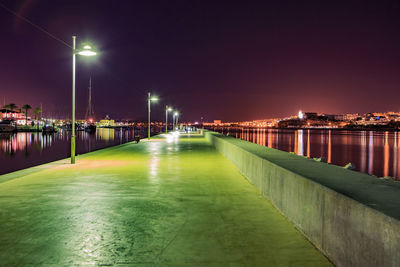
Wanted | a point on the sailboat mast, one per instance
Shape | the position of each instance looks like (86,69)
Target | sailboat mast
(89,110)
(90,97)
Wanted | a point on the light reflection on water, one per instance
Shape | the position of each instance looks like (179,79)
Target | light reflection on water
(23,150)
(372,152)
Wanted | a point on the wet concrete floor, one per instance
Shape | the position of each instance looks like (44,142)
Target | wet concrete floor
(169,201)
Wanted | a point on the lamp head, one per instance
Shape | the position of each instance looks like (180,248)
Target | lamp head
(169,109)
(153,98)
(87,51)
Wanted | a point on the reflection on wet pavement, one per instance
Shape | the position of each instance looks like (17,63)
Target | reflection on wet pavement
(168,201)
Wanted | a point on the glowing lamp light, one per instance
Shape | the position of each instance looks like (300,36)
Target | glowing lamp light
(301,115)
(153,98)
(169,109)
(87,51)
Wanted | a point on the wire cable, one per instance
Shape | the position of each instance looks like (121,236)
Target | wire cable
(57,39)
(35,25)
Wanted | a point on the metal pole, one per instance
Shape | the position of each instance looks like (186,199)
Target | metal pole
(177,116)
(73,102)
(173,122)
(148,107)
(166,119)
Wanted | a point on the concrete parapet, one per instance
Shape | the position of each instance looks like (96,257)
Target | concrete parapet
(351,227)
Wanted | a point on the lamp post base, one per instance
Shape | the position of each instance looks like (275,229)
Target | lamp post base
(73,149)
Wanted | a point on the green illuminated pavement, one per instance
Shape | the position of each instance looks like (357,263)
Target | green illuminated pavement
(164,202)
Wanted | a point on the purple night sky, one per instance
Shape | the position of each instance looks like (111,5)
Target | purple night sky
(229,60)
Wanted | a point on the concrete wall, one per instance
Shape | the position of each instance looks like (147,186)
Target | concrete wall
(346,231)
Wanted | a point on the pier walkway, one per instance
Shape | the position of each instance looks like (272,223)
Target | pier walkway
(168,201)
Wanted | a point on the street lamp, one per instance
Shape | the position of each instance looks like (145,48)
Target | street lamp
(149,99)
(167,108)
(176,114)
(87,51)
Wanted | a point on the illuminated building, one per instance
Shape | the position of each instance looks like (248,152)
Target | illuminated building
(107,122)
(19,117)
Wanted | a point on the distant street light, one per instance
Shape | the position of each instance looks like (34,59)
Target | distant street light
(87,51)
(149,99)
(173,121)
(176,114)
(167,108)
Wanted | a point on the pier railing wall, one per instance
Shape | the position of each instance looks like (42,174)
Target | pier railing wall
(349,233)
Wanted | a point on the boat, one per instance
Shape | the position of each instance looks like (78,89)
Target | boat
(48,129)
(7,125)
(90,128)
(67,127)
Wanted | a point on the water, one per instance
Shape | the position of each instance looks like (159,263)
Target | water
(373,152)
(23,150)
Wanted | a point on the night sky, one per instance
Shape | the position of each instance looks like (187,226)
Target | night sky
(229,60)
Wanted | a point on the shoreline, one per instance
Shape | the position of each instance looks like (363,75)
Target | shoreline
(40,130)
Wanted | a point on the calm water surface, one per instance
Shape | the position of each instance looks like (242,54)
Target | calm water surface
(23,150)
(372,152)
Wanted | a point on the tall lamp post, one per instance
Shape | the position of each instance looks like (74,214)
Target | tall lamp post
(149,99)
(87,51)
(167,109)
(173,121)
(176,114)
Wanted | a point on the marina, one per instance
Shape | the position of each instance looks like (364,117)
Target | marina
(26,149)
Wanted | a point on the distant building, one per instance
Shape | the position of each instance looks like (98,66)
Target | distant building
(310,116)
(17,116)
(217,122)
(107,122)
(393,116)
(350,117)
(329,117)
(292,123)
(340,117)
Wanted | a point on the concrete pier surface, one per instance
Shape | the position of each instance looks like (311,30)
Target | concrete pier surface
(168,201)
